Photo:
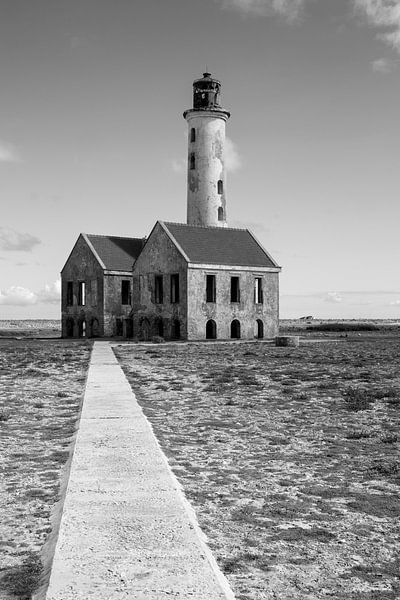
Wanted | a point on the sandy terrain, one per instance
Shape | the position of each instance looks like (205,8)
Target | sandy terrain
(290,457)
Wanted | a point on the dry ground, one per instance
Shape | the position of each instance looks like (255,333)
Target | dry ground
(41,387)
(290,457)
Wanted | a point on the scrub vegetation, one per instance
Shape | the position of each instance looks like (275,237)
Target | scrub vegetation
(290,457)
(41,388)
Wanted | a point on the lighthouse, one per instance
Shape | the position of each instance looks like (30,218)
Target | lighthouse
(206,176)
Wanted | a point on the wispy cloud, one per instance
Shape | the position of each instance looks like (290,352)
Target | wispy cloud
(17,296)
(12,240)
(178,165)
(385,15)
(8,154)
(334,297)
(383,65)
(289,9)
(395,303)
(21,296)
(233,160)
(51,293)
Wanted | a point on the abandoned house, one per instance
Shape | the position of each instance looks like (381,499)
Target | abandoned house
(199,280)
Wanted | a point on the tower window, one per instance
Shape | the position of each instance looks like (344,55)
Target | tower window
(158,289)
(193,135)
(235,289)
(192,162)
(211,291)
(258,291)
(220,186)
(220,214)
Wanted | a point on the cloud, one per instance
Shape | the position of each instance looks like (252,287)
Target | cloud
(394,303)
(8,153)
(383,14)
(178,165)
(333,297)
(289,9)
(51,293)
(383,65)
(233,161)
(17,296)
(21,296)
(15,241)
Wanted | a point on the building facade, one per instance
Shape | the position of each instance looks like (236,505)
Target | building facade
(194,281)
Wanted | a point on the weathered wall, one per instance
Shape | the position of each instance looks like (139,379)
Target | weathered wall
(203,199)
(113,307)
(82,266)
(159,257)
(223,312)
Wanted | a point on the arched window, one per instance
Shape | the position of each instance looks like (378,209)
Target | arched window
(220,186)
(259,329)
(82,328)
(235,329)
(220,214)
(176,329)
(193,135)
(159,327)
(211,330)
(192,162)
(94,326)
(69,327)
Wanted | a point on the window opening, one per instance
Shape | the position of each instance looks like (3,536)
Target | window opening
(126,292)
(158,289)
(220,186)
(95,328)
(192,162)
(119,327)
(81,293)
(69,327)
(193,135)
(70,293)
(93,290)
(82,328)
(160,327)
(260,329)
(220,214)
(258,291)
(235,290)
(235,329)
(211,290)
(175,288)
(211,330)
(176,329)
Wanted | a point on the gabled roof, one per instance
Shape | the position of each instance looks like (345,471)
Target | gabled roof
(116,253)
(220,246)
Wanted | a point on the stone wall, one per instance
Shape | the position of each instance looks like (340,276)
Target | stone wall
(159,257)
(115,312)
(223,311)
(82,266)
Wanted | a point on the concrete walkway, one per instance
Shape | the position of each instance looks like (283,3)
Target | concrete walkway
(126,529)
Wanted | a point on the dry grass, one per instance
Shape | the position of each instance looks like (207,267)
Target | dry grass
(41,386)
(290,457)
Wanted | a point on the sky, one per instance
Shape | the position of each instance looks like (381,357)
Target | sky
(92,138)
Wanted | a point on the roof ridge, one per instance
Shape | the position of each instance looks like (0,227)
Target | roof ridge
(118,237)
(207,226)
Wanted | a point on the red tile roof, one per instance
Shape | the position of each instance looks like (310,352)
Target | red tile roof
(117,253)
(220,246)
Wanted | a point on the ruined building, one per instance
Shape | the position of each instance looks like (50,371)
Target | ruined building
(199,280)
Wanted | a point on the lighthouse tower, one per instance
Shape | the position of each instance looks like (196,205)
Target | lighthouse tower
(206,179)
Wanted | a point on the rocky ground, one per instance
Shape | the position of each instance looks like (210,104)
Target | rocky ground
(289,456)
(41,389)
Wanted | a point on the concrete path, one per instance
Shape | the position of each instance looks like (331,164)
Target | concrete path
(126,529)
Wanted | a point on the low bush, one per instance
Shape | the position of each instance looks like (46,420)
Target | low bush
(358,398)
(336,326)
